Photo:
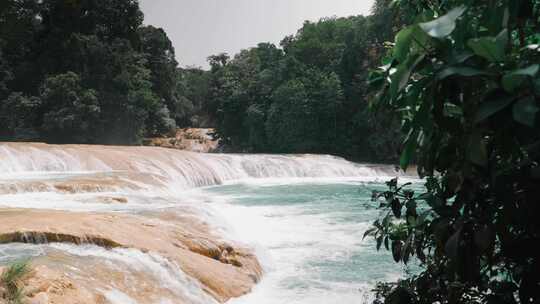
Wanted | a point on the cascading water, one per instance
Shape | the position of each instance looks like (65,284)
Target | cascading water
(172,168)
(111,270)
(302,213)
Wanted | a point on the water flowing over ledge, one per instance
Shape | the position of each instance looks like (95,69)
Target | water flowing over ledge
(169,168)
(138,198)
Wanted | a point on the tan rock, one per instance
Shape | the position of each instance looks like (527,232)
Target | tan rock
(40,298)
(189,139)
(225,270)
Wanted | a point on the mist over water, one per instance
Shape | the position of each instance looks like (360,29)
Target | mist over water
(304,215)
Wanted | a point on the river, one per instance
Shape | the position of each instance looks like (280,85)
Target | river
(302,215)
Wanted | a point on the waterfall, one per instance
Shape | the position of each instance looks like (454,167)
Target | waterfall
(153,187)
(173,169)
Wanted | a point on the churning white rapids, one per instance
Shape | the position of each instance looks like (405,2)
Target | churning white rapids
(304,215)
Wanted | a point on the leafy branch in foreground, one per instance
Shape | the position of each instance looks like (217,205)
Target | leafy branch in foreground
(11,282)
(465,80)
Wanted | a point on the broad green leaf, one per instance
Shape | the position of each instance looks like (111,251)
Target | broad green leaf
(460,58)
(408,153)
(452,245)
(514,79)
(410,40)
(460,71)
(396,250)
(445,25)
(403,43)
(533,47)
(498,18)
(425,16)
(401,76)
(477,149)
(488,108)
(525,111)
(396,207)
(452,110)
(490,48)
(369,232)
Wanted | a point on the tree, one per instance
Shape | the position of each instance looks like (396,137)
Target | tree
(193,108)
(102,76)
(331,59)
(465,80)
(71,113)
(5,74)
(160,57)
(19,116)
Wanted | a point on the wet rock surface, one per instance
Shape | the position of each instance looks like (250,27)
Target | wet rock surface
(223,269)
(189,139)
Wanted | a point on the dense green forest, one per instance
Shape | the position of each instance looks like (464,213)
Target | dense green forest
(84,72)
(308,95)
(90,72)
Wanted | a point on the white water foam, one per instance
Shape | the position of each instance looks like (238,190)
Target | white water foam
(176,170)
(167,275)
(284,236)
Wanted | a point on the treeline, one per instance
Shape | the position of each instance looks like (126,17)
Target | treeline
(310,94)
(85,72)
(88,71)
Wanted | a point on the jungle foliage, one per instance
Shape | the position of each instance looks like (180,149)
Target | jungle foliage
(310,94)
(464,78)
(85,71)
(88,71)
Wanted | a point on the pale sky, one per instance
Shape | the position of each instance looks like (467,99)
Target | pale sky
(200,28)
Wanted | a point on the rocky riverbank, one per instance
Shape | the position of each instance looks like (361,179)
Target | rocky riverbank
(189,139)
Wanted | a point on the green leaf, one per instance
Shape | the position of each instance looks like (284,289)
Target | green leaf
(452,245)
(490,48)
(403,43)
(452,110)
(401,76)
(396,207)
(460,58)
(406,250)
(532,47)
(408,153)
(477,149)
(460,71)
(489,108)
(369,232)
(379,242)
(409,41)
(514,79)
(445,25)
(525,111)
(396,250)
